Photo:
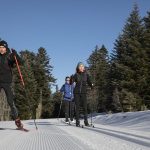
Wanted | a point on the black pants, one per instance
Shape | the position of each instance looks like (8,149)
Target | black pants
(81,104)
(69,110)
(10,98)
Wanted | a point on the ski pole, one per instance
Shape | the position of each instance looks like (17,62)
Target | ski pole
(92,112)
(20,74)
(91,118)
(21,77)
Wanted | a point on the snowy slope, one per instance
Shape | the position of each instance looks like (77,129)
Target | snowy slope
(122,131)
(133,120)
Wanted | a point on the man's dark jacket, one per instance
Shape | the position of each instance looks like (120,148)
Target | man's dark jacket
(6,63)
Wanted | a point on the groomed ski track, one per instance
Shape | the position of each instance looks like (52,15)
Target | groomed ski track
(52,134)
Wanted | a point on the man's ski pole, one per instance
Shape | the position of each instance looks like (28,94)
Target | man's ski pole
(20,74)
(22,81)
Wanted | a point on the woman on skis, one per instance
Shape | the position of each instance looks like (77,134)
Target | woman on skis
(81,79)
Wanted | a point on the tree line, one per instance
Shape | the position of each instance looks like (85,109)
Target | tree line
(37,75)
(122,79)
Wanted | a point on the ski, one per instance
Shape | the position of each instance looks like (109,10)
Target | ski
(90,126)
(22,129)
(65,122)
(80,126)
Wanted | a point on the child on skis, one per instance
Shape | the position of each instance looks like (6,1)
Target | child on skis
(67,90)
(81,79)
(6,63)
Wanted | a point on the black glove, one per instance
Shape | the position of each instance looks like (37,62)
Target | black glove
(14,53)
(73,100)
(92,87)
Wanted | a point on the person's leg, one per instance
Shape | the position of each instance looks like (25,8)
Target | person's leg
(71,110)
(10,99)
(77,99)
(84,101)
(66,110)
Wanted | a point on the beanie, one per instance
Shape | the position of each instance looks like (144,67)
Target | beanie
(4,43)
(79,64)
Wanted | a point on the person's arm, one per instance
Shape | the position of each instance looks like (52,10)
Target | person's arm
(12,56)
(74,78)
(71,79)
(62,89)
(89,81)
(72,91)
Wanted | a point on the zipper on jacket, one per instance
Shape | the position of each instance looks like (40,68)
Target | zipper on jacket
(80,87)
(81,84)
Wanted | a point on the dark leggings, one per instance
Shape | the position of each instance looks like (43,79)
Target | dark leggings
(10,98)
(80,102)
(69,109)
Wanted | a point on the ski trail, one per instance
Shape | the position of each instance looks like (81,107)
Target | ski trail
(111,132)
(47,137)
(101,138)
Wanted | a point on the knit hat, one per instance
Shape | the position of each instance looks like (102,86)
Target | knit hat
(79,64)
(4,43)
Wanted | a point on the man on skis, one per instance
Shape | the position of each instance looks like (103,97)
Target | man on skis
(7,61)
(67,90)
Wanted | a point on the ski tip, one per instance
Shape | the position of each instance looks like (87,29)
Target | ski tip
(22,129)
(26,130)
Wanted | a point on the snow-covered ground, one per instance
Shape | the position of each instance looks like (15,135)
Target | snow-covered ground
(121,131)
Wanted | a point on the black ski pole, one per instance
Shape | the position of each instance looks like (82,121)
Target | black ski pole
(91,118)
(92,112)
(22,81)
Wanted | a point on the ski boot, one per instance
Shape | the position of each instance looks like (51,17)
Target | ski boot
(77,123)
(86,123)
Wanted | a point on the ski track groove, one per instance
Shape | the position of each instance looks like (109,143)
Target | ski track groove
(113,133)
(121,135)
(48,138)
(121,132)
(59,136)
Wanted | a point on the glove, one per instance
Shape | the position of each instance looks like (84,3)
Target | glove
(14,53)
(92,87)
(73,100)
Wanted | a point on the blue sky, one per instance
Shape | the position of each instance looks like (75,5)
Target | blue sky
(68,29)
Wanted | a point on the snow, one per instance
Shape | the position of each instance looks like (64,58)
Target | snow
(121,131)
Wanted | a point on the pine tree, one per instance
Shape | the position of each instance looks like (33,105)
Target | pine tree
(57,99)
(31,84)
(44,77)
(146,46)
(25,95)
(98,67)
(128,64)
(36,71)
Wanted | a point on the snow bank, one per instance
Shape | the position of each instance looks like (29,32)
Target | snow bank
(134,120)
